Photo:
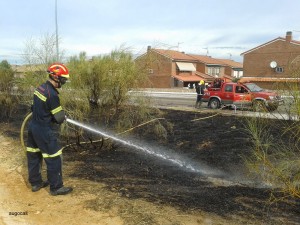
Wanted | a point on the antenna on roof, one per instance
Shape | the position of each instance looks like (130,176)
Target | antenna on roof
(179,43)
(207,52)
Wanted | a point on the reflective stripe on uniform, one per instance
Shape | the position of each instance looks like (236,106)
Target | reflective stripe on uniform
(40,96)
(59,152)
(56,110)
(28,149)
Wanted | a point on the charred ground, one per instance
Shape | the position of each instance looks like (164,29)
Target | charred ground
(219,143)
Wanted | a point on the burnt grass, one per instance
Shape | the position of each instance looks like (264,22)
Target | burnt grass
(218,143)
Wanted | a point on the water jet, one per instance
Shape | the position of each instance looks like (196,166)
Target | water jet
(164,155)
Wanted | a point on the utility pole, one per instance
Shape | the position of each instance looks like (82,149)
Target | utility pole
(56,31)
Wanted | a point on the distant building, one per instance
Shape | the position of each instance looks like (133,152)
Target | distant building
(169,68)
(221,68)
(21,70)
(272,62)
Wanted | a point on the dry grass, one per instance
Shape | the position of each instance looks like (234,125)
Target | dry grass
(205,145)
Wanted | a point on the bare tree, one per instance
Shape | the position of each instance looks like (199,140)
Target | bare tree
(38,54)
(42,50)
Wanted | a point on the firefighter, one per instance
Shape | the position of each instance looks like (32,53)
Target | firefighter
(200,92)
(42,142)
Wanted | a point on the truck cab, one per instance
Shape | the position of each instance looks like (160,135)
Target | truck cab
(263,100)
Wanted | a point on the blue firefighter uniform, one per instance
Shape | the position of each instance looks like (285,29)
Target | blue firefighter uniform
(42,140)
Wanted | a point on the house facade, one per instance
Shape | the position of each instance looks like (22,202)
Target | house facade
(272,62)
(170,68)
(232,68)
(218,68)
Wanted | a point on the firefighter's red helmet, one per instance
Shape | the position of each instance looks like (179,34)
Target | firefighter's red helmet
(58,69)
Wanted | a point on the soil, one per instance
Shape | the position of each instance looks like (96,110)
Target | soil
(117,184)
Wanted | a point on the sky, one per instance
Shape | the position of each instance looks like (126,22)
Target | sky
(219,28)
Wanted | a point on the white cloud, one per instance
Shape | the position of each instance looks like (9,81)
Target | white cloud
(98,27)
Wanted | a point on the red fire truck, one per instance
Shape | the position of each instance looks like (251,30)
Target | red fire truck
(240,95)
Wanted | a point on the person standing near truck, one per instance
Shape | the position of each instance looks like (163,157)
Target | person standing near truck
(200,92)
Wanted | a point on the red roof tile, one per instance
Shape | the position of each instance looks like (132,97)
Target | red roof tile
(206,59)
(205,76)
(176,55)
(187,77)
(232,63)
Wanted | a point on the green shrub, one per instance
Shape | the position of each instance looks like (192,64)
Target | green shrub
(8,99)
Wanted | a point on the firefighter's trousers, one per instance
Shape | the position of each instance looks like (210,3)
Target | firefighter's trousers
(198,101)
(42,144)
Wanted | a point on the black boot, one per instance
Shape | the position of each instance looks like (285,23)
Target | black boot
(62,191)
(36,188)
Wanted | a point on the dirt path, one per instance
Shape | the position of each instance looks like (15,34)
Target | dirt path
(40,207)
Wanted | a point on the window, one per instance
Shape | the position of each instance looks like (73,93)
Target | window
(240,89)
(150,71)
(279,69)
(228,88)
(237,73)
(214,71)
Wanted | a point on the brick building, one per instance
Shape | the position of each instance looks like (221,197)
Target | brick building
(272,62)
(166,66)
(169,68)
(232,68)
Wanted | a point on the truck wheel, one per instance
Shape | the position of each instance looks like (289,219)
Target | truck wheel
(259,106)
(214,103)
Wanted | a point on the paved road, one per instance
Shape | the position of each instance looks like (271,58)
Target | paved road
(169,99)
(186,100)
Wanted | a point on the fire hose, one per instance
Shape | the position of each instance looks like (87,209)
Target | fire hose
(76,123)
(27,117)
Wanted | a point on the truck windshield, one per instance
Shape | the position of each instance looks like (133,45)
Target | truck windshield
(253,87)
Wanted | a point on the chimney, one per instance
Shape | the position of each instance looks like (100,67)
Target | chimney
(148,48)
(288,37)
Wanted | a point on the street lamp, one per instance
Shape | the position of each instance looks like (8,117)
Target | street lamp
(56,29)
